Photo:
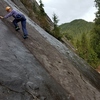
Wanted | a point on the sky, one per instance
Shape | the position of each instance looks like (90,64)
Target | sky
(69,10)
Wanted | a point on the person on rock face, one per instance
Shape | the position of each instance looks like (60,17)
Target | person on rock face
(18,17)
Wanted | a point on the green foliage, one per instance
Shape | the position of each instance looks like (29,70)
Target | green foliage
(97,4)
(68,36)
(74,30)
(55,20)
(56,30)
(80,34)
(82,46)
(93,60)
(95,40)
(86,52)
(41,4)
(42,12)
(76,27)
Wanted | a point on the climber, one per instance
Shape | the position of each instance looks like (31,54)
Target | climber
(18,17)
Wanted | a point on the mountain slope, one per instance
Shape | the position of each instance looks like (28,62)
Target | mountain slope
(76,27)
(54,64)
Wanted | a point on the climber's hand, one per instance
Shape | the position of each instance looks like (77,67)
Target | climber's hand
(1,17)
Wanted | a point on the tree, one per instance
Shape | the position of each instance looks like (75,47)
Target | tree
(86,52)
(42,12)
(56,30)
(55,20)
(83,47)
(95,41)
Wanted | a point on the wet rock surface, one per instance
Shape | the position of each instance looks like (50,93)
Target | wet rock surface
(22,74)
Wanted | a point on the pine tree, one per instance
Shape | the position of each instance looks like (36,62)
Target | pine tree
(82,46)
(42,12)
(56,30)
(95,41)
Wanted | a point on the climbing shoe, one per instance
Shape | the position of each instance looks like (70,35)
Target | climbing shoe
(17,28)
(25,36)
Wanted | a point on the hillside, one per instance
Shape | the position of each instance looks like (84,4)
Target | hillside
(41,67)
(76,27)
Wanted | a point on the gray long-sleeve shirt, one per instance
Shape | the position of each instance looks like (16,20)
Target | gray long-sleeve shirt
(12,13)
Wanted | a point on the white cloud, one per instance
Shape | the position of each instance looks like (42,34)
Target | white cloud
(90,15)
(68,10)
